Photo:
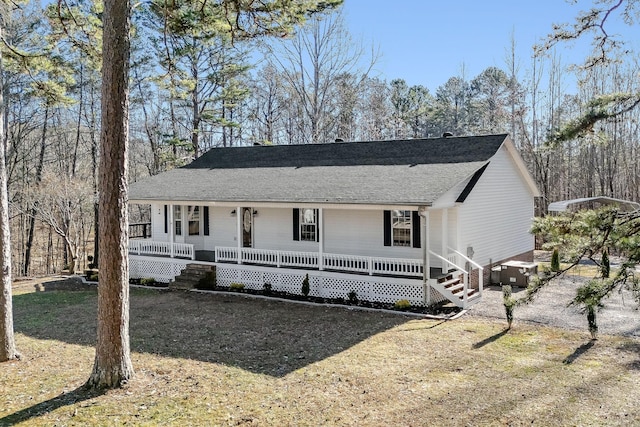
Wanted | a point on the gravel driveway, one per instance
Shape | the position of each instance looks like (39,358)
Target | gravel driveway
(620,315)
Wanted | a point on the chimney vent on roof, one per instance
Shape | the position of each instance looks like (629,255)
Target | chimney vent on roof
(447,134)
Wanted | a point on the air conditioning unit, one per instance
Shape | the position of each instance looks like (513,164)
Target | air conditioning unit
(517,273)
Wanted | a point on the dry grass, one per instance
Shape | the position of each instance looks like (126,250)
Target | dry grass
(227,360)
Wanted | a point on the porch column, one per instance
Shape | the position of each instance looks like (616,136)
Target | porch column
(456,214)
(321,239)
(172,230)
(239,232)
(426,267)
(445,238)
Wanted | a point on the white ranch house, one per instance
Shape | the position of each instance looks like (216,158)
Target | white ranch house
(419,219)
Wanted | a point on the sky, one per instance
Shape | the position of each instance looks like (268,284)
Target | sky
(428,41)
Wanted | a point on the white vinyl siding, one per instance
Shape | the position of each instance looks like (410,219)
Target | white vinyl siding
(222,228)
(353,232)
(495,219)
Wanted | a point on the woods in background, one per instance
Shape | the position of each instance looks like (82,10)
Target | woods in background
(196,87)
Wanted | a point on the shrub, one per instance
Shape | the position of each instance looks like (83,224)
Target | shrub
(147,281)
(93,277)
(509,304)
(402,304)
(238,287)
(266,289)
(591,320)
(555,260)
(353,297)
(606,265)
(305,286)
(208,281)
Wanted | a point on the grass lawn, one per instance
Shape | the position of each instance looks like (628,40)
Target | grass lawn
(208,360)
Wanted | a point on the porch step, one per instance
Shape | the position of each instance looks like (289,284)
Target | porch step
(451,286)
(190,277)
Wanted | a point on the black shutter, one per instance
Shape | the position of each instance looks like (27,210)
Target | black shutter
(387,228)
(316,212)
(205,225)
(166,219)
(296,224)
(415,223)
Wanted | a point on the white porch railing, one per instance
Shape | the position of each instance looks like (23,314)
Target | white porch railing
(151,247)
(455,253)
(352,263)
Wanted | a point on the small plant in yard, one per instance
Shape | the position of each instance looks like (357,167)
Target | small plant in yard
(590,297)
(266,289)
(402,304)
(353,297)
(555,260)
(92,277)
(237,287)
(605,268)
(147,281)
(509,304)
(305,286)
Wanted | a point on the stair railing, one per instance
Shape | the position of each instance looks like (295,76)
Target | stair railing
(475,264)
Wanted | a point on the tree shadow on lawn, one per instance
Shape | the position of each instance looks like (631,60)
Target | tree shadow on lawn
(633,350)
(491,339)
(578,352)
(261,336)
(80,394)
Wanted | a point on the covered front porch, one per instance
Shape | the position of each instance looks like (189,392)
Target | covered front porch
(250,266)
(415,243)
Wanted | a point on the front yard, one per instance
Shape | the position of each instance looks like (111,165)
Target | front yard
(205,359)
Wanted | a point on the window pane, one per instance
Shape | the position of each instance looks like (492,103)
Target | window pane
(177,212)
(308,225)
(308,216)
(193,215)
(401,228)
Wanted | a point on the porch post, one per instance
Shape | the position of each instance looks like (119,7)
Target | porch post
(172,230)
(239,232)
(457,216)
(321,239)
(426,267)
(445,238)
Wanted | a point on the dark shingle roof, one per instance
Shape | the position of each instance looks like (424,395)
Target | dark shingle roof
(410,172)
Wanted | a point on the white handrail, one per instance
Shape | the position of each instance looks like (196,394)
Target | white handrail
(457,267)
(475,264)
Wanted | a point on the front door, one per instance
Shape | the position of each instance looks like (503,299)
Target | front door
(247,228)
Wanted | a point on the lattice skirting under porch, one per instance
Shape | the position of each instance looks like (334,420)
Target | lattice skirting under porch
(326,284)
(162,270)
(323,284)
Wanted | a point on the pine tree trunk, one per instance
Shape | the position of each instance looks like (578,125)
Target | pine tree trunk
(112,366)
(8,349)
